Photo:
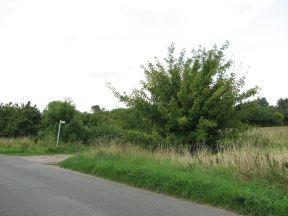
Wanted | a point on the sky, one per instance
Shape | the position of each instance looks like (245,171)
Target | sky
(57,49)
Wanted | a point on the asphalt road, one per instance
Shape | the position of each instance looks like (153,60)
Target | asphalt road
(32,189)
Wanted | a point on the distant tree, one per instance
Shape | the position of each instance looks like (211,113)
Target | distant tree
(96,108)
(260,113)
(30,120)
(19,120)
(66,111)
(58,110)
(262,102)
(192,98)
(282,106)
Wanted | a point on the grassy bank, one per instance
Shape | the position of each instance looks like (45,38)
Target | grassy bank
(250,179)
(28,146)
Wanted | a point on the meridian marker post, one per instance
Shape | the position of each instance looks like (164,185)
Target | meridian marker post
(59,128)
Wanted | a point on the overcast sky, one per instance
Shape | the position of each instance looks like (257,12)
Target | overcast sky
(54,49)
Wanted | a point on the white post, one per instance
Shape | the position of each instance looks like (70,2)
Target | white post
(59,128)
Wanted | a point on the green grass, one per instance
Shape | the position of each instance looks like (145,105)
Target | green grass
(41,150)
(216,186)
(27,146)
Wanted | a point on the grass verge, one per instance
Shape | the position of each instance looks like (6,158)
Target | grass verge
(26,146)
(215,185)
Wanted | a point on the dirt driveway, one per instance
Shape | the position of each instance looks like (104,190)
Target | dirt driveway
(46,159)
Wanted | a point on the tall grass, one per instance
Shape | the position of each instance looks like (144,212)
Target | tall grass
(248,161)
(258,153)
(32,146)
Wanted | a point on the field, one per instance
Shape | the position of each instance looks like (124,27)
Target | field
(250,176)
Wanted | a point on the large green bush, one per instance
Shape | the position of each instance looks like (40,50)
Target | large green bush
(192,98)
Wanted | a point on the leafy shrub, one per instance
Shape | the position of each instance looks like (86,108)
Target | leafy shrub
(19,120)
(193,98)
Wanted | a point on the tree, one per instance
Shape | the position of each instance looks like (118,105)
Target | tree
(260,113)
(282,107)
(262,102)
(66,111)
(58,110)
(29,121)
(19,120)
(193,98)
(96,108)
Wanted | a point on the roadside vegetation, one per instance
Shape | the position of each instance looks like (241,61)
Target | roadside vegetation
(190,130)
(30,146)
(251,179)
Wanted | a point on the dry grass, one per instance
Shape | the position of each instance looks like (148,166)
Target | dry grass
(25,142)
(255,156)
(261,152)
(15,141)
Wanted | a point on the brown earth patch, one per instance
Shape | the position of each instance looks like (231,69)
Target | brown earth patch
(46,159)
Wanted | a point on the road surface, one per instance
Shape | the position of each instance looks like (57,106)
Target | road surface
(33,189)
